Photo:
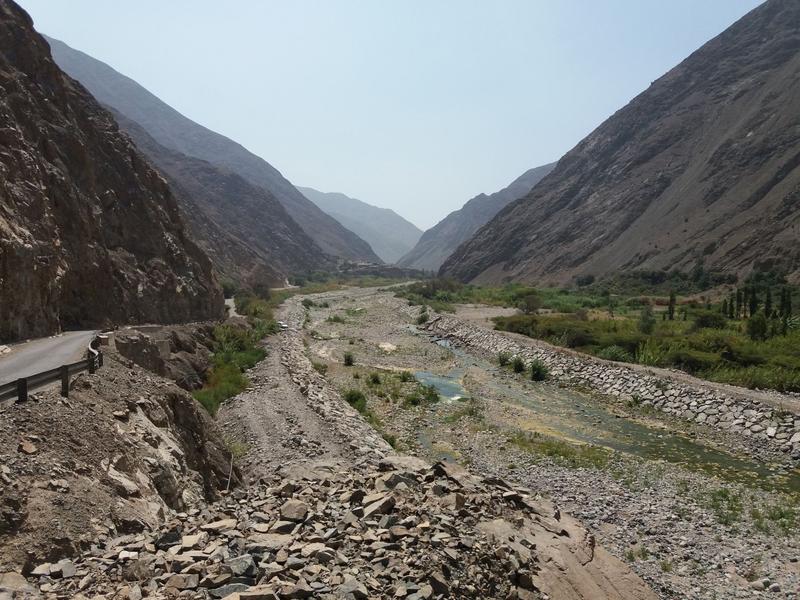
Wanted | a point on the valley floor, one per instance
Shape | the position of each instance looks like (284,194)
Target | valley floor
(694,515)
(567,495)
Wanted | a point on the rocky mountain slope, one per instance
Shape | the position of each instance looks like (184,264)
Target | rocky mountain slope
(441,240)
(389,234)
(176,132)
(702,166)
(90,233)
(245,231)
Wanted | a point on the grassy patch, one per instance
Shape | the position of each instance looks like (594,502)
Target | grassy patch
(779,517)
(725,504)
(235,351)
(469,409)
(573,455)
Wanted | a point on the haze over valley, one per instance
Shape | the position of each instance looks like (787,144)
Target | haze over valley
(419,301)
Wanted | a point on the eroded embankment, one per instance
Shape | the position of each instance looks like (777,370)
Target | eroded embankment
(776,428)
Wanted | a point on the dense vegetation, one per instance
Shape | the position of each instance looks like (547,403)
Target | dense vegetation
(747,335)
(235,349)
(442,294)
(750,337)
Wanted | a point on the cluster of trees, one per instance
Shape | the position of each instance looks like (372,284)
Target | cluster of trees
(746,303)
(765,317)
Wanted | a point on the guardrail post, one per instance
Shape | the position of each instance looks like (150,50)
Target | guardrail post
(22,389)
(90,359)
(99,359)
(65,381)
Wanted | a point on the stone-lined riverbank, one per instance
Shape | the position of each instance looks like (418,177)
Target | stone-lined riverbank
(779,429)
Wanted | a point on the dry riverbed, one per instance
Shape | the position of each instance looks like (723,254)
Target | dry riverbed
(695,519)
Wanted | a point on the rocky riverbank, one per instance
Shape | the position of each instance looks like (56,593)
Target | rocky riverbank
(680,524)
(774,427)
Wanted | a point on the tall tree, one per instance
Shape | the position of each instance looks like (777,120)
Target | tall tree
(753,301)
(671,308)
(768,304)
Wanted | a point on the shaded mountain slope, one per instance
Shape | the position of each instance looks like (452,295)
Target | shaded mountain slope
(441,240)
(176,132)
(702,166)
(243,228)
(389,234)
(90,233)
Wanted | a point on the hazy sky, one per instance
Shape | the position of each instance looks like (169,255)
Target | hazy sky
(416,105)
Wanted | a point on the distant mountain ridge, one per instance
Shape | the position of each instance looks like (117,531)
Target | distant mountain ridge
(176,132)
(247,233)
(701,168)
(389,234)
(441,240)
(90,234)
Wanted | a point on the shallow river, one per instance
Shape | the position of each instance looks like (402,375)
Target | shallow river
(574,416)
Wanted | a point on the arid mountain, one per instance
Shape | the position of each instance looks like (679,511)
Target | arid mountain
(702,166)
(389,234)
(174,131)
(246,232)
(90,233)
(441,240)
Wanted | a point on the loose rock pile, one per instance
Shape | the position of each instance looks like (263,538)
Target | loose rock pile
(394,529)
(780,430)
(344,421)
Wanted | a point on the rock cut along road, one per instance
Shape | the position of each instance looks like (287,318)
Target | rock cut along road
(29,358)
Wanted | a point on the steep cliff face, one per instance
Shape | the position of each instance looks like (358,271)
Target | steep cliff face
(702,166)
(245,231)
(441,240)
(389,234)
(89,232)
(176,132)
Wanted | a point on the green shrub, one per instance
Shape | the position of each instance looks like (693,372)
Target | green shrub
(709,319)
(224,381)
(424,394)
(539,370)
(651,353)
(692,361)
(617,353)
(503,358)
(307,302)
(356,399)
(374,379)
(335,319)
(319,367)
(349,359)
(647,321)
(229,288)
(422,318)
(406,376)
(518,365)
(757,327)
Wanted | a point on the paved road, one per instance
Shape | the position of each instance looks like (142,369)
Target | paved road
(44,354)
